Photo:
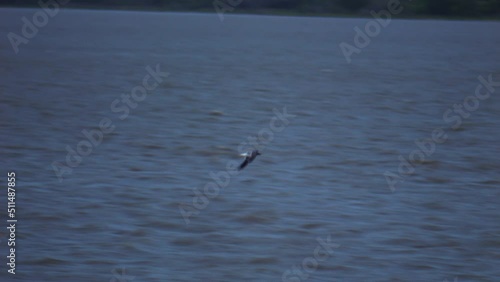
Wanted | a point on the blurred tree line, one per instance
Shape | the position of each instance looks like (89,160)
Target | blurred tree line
(415,8)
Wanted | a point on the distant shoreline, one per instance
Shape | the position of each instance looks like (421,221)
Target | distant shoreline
(263,12)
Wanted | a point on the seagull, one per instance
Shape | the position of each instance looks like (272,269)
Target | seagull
(249,157)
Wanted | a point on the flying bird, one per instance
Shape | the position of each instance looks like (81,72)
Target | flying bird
(249,157)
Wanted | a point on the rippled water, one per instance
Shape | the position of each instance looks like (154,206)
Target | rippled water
(117,217)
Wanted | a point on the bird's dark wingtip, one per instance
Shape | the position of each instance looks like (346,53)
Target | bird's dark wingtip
(243,164)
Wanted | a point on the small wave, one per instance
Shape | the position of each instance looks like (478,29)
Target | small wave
(256,218)
(263,260)
(216,113)
(314,167)
(490,181)
(49,261)
(439,180)
(154,146)
(311,225)
(184,242)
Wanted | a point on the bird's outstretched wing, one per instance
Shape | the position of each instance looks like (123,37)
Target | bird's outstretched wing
(243,164)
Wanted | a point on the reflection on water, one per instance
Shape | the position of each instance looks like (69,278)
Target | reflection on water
(117,212)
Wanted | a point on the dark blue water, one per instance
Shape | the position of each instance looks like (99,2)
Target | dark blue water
(114,213)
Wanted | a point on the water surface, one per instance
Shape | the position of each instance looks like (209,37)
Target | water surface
(322,176)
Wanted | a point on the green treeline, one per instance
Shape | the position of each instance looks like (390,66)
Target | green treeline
(414,8)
